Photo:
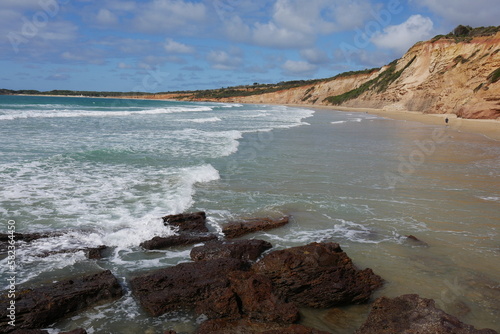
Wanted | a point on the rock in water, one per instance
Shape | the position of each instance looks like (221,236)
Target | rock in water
(257,300)
(40,307)
(185,285)
(238,249)
(246,326)
(317,275)
(187,222)
(239,228)
(184,239)
(413,314)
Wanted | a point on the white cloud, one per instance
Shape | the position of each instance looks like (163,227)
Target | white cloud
(162,16)
(401,37)
(296,23)
(315,56)
(106,17)
(475,13)
(222,60)
(273,36)
(298,68)
(172,46)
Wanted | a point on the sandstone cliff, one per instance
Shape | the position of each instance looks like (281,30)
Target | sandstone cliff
(439,76)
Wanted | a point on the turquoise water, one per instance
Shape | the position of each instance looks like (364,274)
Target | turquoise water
(105,170)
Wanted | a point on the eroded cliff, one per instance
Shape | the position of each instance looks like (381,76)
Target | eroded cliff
(443,76)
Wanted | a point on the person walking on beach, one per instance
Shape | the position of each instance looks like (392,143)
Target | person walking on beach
(446,120)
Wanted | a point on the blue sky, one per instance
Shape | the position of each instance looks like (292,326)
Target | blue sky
(168,45)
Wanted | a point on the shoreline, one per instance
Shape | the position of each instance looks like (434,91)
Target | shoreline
(489,128)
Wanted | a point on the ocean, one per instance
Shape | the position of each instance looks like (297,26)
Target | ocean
(103,172)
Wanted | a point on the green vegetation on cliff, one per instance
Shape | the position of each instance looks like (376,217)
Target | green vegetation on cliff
(378,84)
(467,33)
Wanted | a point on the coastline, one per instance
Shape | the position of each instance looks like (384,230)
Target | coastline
(489,128)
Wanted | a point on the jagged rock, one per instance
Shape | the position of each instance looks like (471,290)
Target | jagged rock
(409,314)
(93,253)
(185,285)
(183,239)
(239,228)
(170,332)
(29,331)
(246,326)
(238,249)
(187,222)
(257,300)
(317,275)
(26,237)
(40,307)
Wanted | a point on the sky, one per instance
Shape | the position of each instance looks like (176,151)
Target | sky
(172,45)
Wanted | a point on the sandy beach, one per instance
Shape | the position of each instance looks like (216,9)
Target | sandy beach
(487,127)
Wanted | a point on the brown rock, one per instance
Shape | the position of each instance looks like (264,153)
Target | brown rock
(317,275)
(257,300)
(410,314)
(246,326)
(238,249)
(187,222)
(184,239)
(40,307)
(416,241)
(239,228)
(185,285)
(95,253)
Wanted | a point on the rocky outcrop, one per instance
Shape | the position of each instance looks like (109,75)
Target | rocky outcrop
(186,285)
(191,228)
(246,326)
(187,222)
(413,314)
(317,275)
(40,307)
(239,249)
(183,239)
(238,228)
(259,298)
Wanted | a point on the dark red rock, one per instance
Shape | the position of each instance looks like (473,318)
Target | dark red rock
(91,253)
(238,249)
(95,253)
(40,307)
(257,300)
(239,228)
(246,326)
(413,314)
(185,285)
(187,222)
(184,239)
(317,275)
(416,241)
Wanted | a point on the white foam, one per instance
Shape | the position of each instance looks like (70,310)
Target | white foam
(490,198)
(338,122)
(66,113)
(205,120)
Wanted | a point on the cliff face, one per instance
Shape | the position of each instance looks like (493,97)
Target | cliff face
(439,76)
